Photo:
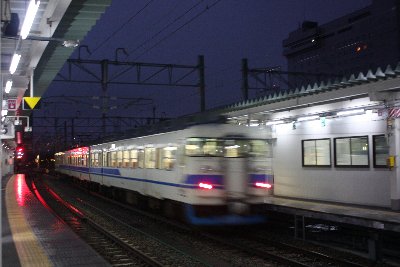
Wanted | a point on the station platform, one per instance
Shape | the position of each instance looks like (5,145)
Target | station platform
(33,236)
(370,217)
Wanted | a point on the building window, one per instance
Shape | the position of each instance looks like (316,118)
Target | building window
(352,151)
(316,152)
(381,151)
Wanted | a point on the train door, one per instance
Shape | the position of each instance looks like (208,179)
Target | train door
(235,166)
(106,163)
(235,178)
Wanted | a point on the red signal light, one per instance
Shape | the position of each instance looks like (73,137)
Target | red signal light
(19,152)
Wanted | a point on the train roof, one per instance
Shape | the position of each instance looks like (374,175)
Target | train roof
(165,126)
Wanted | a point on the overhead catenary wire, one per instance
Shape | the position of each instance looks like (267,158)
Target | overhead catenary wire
(165,27)
(207,8)
(123,25)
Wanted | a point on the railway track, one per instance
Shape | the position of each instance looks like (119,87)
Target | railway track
(281,252)
(199,247)
(102,235)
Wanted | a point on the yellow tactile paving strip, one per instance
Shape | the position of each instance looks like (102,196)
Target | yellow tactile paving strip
(29,250)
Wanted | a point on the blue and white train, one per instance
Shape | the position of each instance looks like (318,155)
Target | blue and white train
(209,174)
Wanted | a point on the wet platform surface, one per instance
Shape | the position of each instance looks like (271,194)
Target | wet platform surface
(33,236)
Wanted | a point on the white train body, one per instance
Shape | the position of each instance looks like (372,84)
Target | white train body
(218,173)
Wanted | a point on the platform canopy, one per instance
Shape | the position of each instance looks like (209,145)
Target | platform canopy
(57,28)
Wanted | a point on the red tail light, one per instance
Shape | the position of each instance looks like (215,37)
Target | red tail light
(205,186)
(264,185)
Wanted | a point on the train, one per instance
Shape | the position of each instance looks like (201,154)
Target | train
(205,174)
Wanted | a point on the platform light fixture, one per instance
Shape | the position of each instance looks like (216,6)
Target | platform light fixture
(8,86)
(29,17)
(308,118)
(350,112)
(274,122)
(14,62)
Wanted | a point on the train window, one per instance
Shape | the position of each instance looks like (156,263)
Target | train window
(204,147)
(159,158)
(119,158)
(106,159)
(236,148)
(352,151)
(125,158)
(168,157)
(193,147)
(95,160)
(113,159)
(380,151)
(92,159)
(85,160)
(316,152)
(150,157)
(133,158)
(260,148)
(141,158)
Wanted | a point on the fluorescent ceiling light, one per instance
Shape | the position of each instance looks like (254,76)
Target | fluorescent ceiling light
(29,17)
(308,118)
(350,112)
(274,122)
(8,86)
(14,63)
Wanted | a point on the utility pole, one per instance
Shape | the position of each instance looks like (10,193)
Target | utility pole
(245,79)
(104,85)
(202,84)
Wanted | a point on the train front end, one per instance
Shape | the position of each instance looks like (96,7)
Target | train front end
(230,175)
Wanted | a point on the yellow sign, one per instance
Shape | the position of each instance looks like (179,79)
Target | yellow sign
(31,101)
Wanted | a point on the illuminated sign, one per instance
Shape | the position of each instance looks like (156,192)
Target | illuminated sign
(12,104)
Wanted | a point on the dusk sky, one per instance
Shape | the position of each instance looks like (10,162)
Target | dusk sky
(225,32)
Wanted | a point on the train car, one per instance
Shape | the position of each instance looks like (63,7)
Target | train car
(210,174)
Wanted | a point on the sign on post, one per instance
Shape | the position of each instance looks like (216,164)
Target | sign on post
(30,103)
(12,104)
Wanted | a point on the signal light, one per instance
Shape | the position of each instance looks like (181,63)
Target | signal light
(205,186)
(19,152)
(264,185)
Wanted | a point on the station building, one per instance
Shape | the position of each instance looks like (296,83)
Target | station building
(335,141)
(357,42)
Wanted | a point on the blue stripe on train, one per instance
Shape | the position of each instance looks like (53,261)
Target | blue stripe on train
(191,181)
